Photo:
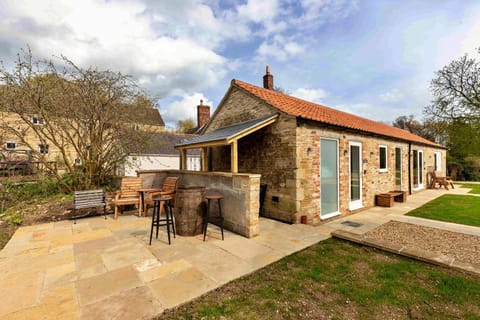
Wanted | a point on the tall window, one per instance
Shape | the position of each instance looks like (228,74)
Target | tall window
(383,158)
(43,148)
(10,145)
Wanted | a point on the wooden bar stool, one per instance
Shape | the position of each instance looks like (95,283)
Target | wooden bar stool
(208,218)
(157,220)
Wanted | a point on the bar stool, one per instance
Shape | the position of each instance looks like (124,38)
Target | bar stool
(157,221)
(208,218)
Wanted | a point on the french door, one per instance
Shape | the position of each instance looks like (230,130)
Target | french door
(398,168)
(328,178)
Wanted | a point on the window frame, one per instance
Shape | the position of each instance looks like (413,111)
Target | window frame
(43,148)
(380,147)
(38,121)
(10,142)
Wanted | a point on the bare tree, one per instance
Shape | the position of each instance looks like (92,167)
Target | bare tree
(184,126)
(89,117)
(456,91)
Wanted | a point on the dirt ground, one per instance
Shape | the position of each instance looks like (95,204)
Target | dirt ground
(37,212)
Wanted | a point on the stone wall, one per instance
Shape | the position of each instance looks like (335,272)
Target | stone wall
(287,156)
(237,107)
(241,191)
(269,152)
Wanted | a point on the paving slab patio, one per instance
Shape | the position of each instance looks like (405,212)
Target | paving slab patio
(105,269)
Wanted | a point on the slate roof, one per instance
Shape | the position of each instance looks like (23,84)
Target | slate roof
(149,116)
(312,111)
(226,133)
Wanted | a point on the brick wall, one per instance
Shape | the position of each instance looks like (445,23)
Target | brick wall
(373,180)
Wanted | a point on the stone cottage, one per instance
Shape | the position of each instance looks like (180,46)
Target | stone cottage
(315,161)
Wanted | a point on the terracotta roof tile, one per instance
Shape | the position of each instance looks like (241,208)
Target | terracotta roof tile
(312,111)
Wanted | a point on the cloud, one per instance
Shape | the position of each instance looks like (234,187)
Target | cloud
(119,36)
(280,48)
(391,96)
(316,13)
(258,10)
(313,95)
(182,108)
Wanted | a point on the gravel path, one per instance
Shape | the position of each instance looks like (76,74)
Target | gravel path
(462,247)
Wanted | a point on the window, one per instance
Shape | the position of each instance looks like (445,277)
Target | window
(383,158)
(10,145)
(43,148)
(37,120)
(438,161)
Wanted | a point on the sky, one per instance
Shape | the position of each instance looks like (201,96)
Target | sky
(372,58)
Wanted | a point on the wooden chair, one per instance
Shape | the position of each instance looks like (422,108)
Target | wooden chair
(442,181)
(169,188)
(128,194)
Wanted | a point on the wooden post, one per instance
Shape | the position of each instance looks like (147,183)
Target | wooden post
(234,157)
(204,158)
(183,159)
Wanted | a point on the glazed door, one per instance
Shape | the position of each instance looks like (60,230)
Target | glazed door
(328,178)
(417,169)
(355,175)
(398,168)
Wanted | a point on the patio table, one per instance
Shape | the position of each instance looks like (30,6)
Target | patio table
(144,191)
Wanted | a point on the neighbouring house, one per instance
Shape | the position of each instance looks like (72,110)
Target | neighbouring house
(314,161)
(160,154)
(147,119)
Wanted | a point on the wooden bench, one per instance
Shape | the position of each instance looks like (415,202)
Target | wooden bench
(387,199)
(88,199)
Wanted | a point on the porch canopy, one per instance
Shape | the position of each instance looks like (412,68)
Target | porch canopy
(222,137)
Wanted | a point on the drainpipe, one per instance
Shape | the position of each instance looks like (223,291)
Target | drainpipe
(409,168)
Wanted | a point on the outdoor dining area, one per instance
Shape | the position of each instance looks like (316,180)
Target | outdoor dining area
(185,203)
(185,211)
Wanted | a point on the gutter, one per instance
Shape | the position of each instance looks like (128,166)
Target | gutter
(409,168)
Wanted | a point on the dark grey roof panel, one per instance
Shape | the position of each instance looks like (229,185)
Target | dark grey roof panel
(225,132)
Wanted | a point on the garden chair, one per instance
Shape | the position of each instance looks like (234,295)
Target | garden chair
(128,194)
(169,188)
(442,181)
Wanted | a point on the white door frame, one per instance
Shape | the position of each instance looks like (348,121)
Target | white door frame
(335,213)
(401,167)
(419,171)
(356,204)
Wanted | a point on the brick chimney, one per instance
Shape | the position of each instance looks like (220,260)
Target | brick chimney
(203,114)
(268,79)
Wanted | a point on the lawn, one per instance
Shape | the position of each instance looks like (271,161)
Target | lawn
(451,208)
(336,279)
(475,187)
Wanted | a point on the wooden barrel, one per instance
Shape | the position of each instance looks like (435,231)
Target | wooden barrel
(189,210)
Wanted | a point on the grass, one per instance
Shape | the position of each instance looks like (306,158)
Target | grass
(451,208)
(475,187)
(339,280)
